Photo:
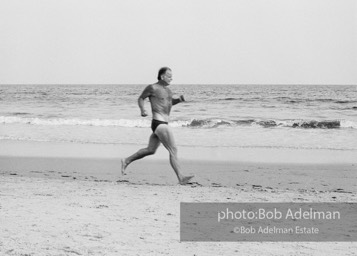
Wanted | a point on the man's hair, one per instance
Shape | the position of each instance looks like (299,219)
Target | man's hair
(161,72)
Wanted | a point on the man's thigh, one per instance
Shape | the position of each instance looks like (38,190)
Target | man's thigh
(165,134)
(154,142)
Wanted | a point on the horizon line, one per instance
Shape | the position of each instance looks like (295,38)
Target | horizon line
(175,84)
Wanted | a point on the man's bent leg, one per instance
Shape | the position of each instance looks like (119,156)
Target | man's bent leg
(163,131)
(154,143)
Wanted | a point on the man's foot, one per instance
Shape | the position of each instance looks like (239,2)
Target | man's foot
(123,166)
(186,179)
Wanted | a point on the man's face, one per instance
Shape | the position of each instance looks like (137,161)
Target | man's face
(167,77)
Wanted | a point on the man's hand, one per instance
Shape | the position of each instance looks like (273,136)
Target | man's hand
(144,113)
(178,100)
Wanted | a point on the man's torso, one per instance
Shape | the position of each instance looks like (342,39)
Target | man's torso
(161,102)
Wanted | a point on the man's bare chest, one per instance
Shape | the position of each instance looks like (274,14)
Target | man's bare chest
(163,94)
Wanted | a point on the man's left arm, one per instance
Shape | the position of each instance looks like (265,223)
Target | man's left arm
(178,100)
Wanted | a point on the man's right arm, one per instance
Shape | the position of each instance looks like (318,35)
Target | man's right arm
(141,101)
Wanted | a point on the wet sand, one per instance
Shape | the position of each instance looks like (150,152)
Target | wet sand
(247,175)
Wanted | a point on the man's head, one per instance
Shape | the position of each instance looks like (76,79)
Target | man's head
(165,75)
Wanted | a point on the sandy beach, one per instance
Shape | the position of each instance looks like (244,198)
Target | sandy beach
(56,205)
(58,217)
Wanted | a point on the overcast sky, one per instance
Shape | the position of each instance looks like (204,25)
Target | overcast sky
(203,41)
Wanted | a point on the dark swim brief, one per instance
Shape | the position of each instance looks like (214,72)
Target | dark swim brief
(155,123)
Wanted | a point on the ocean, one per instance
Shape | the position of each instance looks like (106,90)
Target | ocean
(243,116)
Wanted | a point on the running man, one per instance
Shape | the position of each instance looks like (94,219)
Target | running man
(161,102)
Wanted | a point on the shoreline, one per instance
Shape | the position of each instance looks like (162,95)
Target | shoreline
(272,169)
(215,154)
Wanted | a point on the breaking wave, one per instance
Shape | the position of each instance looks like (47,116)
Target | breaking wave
(74,121)
(193,123)
(305,124)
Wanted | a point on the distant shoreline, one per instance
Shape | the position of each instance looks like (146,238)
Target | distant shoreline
(179,84)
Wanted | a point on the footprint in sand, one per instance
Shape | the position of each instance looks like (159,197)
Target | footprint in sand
(69,250)
(102,206)
(341,190)
(122,181)
(194,184)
